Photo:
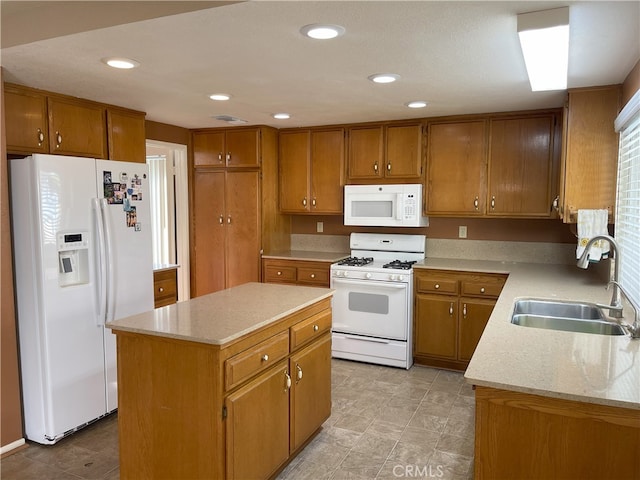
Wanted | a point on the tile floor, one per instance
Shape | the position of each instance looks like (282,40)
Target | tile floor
(386,423)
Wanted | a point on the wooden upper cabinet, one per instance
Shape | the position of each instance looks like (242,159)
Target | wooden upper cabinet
(226,148)
(456,168)
(590,151)
(366,154)
(26,121)
(208,149)
(126,135)
(311,171)
(522,177)
(294,171)
(403,154)
(391,151)
(76,127)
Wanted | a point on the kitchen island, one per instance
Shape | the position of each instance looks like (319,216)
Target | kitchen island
(227,385)
(552,404)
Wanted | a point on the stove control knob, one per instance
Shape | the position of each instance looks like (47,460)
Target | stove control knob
(393,277)
(400,278)
(367,275)
(345,274)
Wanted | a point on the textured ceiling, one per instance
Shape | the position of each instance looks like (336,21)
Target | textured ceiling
(461,57)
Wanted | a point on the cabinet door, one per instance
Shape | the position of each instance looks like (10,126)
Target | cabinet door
(242,148)
(474,315)
(126,136)
(242,222)
(436,325)
(365,152)
(311,393)
(208,264)
(76,128)
(26,121)
(257,433)
(590,156)
(521,166)
(208,149)
(327,164)
(294,172)
(403,158)
(456,168)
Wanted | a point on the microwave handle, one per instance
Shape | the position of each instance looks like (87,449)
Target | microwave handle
(399,198)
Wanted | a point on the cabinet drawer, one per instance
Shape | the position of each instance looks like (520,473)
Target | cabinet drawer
(277,273)
(433,284)
(246,364)
(314,276)
(165,290)
(490,287)
(310,329)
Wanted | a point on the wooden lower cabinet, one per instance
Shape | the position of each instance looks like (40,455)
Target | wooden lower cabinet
(520,435)
(296,272)
(241,410)
(165,287)
(451,311)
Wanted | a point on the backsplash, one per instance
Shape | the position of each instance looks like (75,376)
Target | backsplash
(529,252)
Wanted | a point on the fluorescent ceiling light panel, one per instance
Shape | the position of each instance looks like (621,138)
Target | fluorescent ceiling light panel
(544,38)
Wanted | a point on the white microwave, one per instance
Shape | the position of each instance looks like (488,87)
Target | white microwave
(384,205)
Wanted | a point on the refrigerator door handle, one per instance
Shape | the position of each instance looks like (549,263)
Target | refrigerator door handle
(101,263)
(111,274)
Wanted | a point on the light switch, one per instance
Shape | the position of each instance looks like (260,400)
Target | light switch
(319,227)
(462,231)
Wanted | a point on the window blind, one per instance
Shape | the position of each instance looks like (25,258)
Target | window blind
(628,197)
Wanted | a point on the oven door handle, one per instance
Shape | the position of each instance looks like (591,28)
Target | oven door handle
(398,286)
(364,339)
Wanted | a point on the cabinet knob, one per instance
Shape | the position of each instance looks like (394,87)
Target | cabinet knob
(315,328)
(476,203)
(279,273)
(482,290)
(228,157)
(437,286)
(313,275)
(229,219)
(58,139)
(40,137)
(313,202)
(375,167)
(220,157)
(304,202)
(265,358)
(221,219)
(493,202)
(388,167)
(161,289)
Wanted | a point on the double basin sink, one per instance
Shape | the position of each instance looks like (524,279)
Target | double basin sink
(567,316)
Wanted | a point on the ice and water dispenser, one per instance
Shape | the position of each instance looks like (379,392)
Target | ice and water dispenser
(73,258)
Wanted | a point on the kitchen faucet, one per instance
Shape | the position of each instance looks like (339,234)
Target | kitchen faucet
(615,307)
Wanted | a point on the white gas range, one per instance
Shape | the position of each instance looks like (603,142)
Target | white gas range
(373,299)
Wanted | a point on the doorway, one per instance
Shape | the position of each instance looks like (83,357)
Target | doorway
(168,185)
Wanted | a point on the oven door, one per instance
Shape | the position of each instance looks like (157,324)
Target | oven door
(370,307)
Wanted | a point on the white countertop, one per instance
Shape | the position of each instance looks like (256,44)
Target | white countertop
(224,316)
(577,366)
(313,256)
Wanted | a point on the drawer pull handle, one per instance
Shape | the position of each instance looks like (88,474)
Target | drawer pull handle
(482,290)
(375,167)
(287,380)
(464,310)
(299,373)
(313,275)
(58,139)
(476,203)
(451,309)
(437,286)
(265,358)
(40,137)
(315,328)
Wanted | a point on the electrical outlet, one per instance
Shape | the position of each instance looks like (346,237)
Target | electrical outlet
(319,227)
(462,231)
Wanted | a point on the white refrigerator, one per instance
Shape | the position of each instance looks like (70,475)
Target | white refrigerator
(82,249)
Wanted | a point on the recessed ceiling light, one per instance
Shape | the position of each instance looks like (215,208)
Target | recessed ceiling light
(220,96)
(120,62)
(384,77)
(416,104)
(322,31)
(281,116)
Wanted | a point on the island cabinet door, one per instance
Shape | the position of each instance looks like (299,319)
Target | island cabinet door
(311,391)
(257,438)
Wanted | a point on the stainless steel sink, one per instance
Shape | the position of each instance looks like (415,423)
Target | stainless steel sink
(551,308)
(566,316)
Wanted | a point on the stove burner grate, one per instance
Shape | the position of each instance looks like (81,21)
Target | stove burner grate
(400,264)
(356,261)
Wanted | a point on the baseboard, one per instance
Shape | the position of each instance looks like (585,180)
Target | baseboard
(9,448)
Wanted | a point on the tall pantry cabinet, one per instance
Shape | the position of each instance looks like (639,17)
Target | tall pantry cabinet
(234,206)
